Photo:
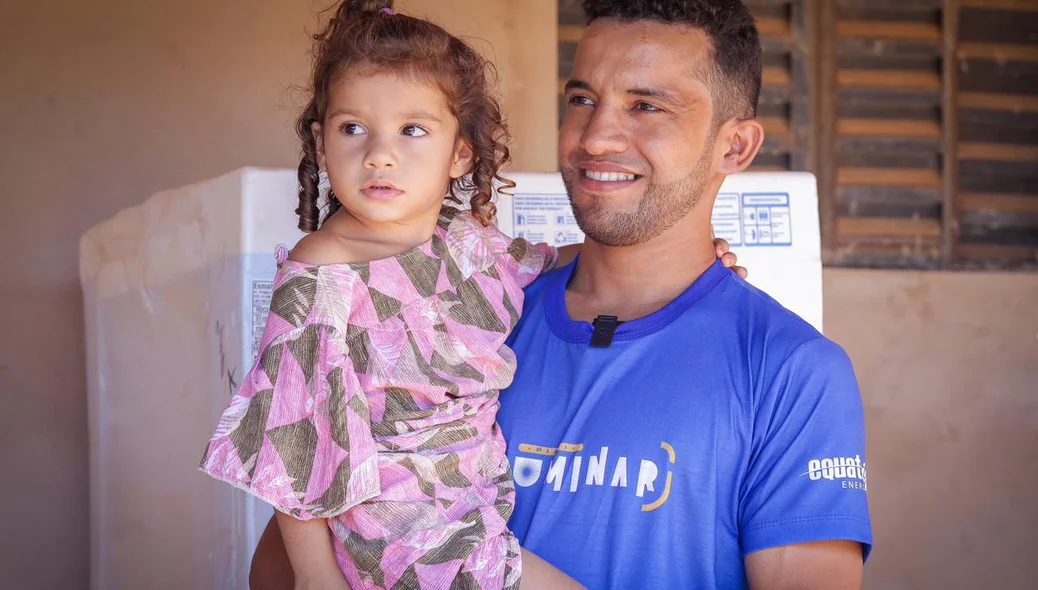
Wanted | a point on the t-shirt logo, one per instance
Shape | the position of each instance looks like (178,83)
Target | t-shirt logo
(850,471)
(528,469)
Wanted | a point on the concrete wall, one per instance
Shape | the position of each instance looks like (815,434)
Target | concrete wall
(107,102)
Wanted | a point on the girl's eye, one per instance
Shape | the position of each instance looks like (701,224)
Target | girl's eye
(578,99)
(414,131)
(353,129)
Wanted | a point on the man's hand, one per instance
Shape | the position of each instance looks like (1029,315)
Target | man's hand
(806,566)
(728,259)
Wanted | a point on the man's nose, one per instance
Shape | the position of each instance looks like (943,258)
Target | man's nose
(604,134)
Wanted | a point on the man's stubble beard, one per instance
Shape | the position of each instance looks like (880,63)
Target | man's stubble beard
(659,208)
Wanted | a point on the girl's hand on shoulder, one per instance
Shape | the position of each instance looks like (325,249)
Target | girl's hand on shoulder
(728,258)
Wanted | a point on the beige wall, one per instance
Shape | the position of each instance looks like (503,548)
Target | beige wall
(524,37)
(106,102)
(102,104)
(948,366)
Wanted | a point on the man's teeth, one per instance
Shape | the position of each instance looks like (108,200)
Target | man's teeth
(608,176)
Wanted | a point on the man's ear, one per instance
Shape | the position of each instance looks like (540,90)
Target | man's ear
(742,138)
(461,164)
(318,133)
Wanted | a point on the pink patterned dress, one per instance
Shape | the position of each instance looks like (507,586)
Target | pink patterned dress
(373,404)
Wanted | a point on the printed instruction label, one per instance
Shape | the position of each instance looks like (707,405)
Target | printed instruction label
(727,218)
(743,219)
(766,219)
(753,219)
(261,294)
(545,218)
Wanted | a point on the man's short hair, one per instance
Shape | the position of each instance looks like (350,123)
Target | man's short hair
(736,78)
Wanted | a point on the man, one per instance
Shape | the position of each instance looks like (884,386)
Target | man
(669,425)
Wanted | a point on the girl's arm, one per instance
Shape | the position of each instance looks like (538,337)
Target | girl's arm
(309,547)
(541,575)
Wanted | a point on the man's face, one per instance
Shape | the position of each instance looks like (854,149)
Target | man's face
(637,141)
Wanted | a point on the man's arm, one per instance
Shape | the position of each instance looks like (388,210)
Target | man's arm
(541,575)
(272,568)
(806,566)
(805,519)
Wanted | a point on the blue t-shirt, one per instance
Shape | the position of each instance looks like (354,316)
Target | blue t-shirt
(717,426)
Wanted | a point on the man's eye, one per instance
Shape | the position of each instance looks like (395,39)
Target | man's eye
(580,100)
(414,131)
(648,108)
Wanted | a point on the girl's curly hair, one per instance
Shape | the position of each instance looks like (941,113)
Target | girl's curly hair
(368,33)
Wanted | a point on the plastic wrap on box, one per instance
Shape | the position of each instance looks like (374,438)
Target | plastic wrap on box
(176,293)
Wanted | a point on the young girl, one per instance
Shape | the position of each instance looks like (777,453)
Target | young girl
(370,412)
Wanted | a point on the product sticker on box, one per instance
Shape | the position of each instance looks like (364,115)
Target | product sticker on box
(545,218)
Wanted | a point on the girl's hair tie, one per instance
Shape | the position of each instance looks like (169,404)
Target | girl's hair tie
(387,10)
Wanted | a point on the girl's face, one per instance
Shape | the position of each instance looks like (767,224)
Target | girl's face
(390,147)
